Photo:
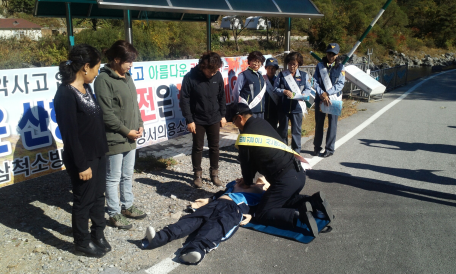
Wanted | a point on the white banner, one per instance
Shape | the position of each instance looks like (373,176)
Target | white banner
(30,141)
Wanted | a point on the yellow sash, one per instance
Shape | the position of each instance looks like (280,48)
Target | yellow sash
(262,141)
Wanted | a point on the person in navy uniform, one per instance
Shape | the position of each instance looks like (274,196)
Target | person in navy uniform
(336,74)
(250,83)
(291,109)
(271,109)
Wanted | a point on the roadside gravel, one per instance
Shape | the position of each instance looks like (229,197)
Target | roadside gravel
(35,227)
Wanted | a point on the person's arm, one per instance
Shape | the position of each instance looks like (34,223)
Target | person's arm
(222,100)
(66,113)
(238,86)
(307,85)
(278,83)
(185,99)
(105,99)
(246,169)
(340,82)
(318,90)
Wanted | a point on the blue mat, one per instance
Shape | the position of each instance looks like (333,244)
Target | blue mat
(300,233)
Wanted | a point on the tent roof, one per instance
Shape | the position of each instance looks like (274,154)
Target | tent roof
(90,9)
(283,8)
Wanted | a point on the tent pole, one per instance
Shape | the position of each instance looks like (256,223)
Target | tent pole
(127,26)
(69,24)
(208,27)
(287,34)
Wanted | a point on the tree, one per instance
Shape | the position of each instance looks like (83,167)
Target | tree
(25,6)
(234,22)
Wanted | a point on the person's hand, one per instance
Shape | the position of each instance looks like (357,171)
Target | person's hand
(247,219)
(86,174)
(192,127)
(200,202)
(325,99)
(288,93)
(133,134)
(141,130)
(223,122)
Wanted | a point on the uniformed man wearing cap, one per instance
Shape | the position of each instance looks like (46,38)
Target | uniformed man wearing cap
(260,150)
(271,100)
(329,81)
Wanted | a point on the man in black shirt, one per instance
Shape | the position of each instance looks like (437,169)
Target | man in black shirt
(281,205)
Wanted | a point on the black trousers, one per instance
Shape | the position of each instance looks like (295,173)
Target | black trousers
(332,129)
(296,128)
(215,222)
(213,136)
(279,203)
(88,202)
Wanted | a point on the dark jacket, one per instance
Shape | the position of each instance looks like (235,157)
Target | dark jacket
(271,110)
(249,84)
(302,80)
(267,161)
(336,75)
(117,99)
(80,122)
(202,100)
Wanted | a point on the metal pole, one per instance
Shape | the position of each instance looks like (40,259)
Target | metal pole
(208,31)
(287,34)
(380,13)
(127,27)
(69,23)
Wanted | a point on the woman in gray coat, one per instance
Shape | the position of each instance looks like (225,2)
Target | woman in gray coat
(116,94)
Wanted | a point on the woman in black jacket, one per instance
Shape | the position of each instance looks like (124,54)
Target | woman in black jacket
(81,125)
(203,105)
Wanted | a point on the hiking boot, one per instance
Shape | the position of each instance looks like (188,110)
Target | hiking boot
(120,222)
(306,217)
(214,177)
(198,180)
(320,203)
(133,212)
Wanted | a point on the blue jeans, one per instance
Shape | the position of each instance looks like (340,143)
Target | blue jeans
(119,173)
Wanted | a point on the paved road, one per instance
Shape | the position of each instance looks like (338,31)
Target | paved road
(392,186)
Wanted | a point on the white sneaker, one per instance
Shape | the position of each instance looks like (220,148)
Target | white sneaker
(150,233)
(192,257)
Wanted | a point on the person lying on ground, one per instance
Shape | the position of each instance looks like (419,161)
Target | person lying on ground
(216,220)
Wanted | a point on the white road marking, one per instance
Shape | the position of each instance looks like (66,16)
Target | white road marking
(163,267)
(315,160)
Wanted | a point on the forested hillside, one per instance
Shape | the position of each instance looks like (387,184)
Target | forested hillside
(415,28)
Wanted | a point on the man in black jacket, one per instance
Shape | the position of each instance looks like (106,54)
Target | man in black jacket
(281,205)
(203,105)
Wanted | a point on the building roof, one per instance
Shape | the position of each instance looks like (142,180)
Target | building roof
(17,23)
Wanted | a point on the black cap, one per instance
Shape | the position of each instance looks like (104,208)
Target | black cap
(272,62)
(242,108)
(333,47)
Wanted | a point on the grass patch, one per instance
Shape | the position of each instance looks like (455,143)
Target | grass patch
(308,123)
(149,163)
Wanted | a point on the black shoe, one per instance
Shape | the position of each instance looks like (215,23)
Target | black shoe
(90,251)
(316,152)
(102,244)
(320,203)
(326,154)
(305,216)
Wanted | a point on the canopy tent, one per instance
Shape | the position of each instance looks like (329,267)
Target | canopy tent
(283,8)
(175,10)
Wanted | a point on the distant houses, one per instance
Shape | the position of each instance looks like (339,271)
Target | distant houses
(19,28)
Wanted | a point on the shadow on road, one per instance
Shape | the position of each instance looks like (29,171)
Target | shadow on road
(20,208)
(423,175)
(382,186)
(396,145)
(175,186)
